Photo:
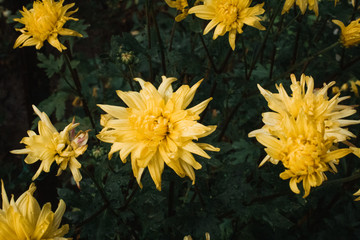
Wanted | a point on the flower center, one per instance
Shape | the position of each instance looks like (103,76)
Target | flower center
(150,127)
(41,23)
(304,155)
(228,13)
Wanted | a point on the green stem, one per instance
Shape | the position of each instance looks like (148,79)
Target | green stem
(75,77)
(308,59)
(100,189)
(161,45)
(172,35)
(272,20)
(208,54)
(245,58)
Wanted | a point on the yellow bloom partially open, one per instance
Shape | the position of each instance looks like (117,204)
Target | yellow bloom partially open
(157,128)
(229,16)
(23,219)
(350,34)
(45,21)
(302,131)
(50,146)
(180,5)
(303,4)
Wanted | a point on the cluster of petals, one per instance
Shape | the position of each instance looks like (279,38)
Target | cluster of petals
(180,5)
(303,131)
(350,34)
(229,16)
(51,146)
(157,129)
(45,21)
(23,219)
(303,4)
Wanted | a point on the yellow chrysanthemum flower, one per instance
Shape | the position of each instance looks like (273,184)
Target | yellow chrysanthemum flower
(350,35)
(180,5)
(303,4)
(23,219)
(302,131)
(45,21)
(229,16)
(50,146)
(157,128)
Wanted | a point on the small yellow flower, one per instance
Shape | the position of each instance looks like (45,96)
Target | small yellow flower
(350,35)
(302,132)
(50,146)
(303,4)
(23,219)
(45,21)
(229,16)
(180,5)
(157,128)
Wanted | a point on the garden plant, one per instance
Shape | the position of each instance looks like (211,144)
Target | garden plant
(180,119)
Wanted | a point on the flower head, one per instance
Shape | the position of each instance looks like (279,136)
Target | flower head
(303,4)
(50,146)
(229,16)
(180,5)
(157,128)
(302,132)
(24,219)
(350,35)
(45,21)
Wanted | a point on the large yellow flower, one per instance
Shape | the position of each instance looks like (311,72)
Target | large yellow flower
(45,21)
(350,35)
(302,131)
(157,128)
(229,16)
(23,219)
(303,4)
(50,146)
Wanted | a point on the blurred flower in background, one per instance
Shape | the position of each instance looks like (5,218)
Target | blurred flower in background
(45,21)
(229,16)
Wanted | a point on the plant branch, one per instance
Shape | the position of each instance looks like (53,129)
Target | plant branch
(75,76)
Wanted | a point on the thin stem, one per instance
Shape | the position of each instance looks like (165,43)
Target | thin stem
(75,76)
(149,39)
(244,56)
(132,77)
(172,35)
(343,180)
(208,54)
(100,189)
(161,45)
(272,20)
(308,59)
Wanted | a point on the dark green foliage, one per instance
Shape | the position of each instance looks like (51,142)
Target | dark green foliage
(232,197)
